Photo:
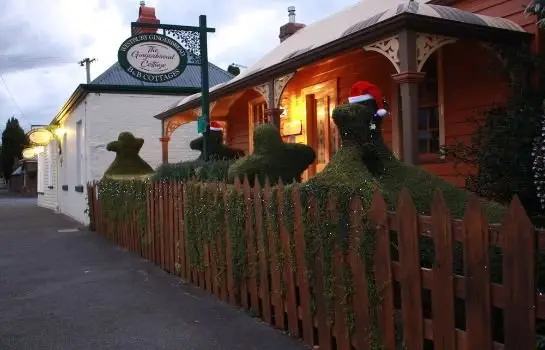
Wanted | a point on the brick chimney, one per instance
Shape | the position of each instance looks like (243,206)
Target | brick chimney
(291,27)
(146,15)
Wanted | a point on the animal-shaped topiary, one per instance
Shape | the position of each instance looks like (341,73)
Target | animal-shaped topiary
(216,149)
(346,174)
(127,163)
(393,175)
(272,158)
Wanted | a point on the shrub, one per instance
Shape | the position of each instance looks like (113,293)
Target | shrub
(127,162)
(272,158)
(216,149)
(214,170)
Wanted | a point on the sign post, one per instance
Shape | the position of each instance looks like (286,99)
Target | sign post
(157,58)
(204,82)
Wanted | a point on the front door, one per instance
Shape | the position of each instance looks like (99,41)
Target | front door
(322,133)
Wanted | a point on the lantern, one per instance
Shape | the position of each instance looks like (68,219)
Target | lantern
(28,153)
(40,137)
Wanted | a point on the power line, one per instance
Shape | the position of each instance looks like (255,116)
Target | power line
(13,98)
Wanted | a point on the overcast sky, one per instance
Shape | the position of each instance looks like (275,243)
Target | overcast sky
(42,41)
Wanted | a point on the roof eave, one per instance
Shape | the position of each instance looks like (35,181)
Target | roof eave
(73,101)
(83,89)
(140,89)
(383,29)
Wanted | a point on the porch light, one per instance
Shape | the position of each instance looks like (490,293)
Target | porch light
(59,132)
(29,153)
(40,137)
(284,112)
(284,107)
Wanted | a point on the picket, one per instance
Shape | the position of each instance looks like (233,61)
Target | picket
(323,324)
(411,281)
(307,320)
(250,244)
(444,335)
(232,291)
(276,291)
(287,266)
(360,302)
(477,276)
(519,271)
(383,270)
(294,297)
(262,254)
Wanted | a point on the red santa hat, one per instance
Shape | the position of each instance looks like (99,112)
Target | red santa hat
(364,91)
(215,126)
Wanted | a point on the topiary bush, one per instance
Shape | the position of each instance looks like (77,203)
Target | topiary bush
(216,149)
(199,170)
(127,163)
(393,175)
(272,158)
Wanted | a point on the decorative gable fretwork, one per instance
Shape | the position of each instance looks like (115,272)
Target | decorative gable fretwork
(426,45)
(389,48)
(272,90)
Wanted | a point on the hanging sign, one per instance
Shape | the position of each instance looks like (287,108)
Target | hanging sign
(153,58)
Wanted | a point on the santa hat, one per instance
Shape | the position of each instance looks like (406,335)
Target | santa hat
(364,91)
(215,126)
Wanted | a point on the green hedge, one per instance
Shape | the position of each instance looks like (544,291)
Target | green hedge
(272,158)
(199,170)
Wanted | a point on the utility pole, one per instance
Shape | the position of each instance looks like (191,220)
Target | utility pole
(87,63)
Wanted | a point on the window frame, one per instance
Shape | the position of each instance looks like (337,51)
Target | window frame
(79,151)
(258,101)
(439,104)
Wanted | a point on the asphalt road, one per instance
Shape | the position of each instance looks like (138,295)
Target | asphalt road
(72,290)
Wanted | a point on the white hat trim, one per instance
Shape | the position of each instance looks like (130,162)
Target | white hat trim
(215,129)
(360,98)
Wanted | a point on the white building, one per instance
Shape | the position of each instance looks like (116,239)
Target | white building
(94,115)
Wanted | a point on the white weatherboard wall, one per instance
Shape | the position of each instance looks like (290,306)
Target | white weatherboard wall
(103,116)
(47,173)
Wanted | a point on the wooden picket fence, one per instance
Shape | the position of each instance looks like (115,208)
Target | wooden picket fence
(400,278)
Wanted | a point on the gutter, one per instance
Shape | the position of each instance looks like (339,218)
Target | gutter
(409,21)
(140,89)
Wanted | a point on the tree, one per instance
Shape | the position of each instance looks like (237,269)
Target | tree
(502,145)
(233,69)
(14,140)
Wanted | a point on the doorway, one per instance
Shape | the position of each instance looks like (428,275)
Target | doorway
(322,134)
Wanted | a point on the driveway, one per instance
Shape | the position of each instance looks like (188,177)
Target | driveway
(62,287)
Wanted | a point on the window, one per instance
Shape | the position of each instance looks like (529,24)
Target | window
(428,109)
(64,163)
(41,172)
(50,150)
(79,156)
(258,116)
